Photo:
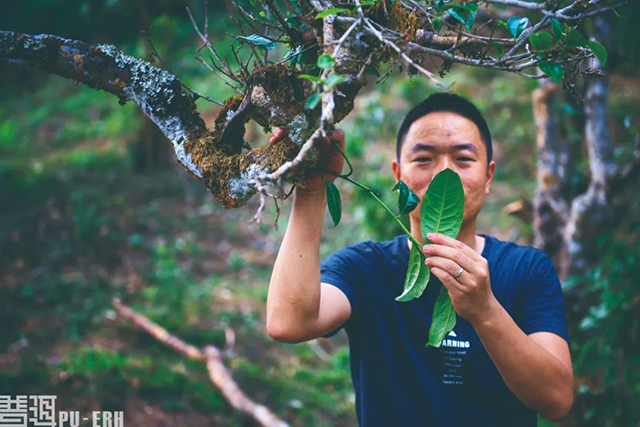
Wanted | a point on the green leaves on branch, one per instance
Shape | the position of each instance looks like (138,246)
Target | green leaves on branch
(326,62)
(443,205)
(313,101)
(349,12)
(332,11)
(463,13)
(541,41)
(551,69)
(443,320)
(417,276)
(257,40)
(407,199)
(442,212)
(517,25)
(574,38)
(556,26)
(335,79)
(333,202)
(598,50)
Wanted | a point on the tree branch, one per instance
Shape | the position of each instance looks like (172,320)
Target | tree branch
(220,376)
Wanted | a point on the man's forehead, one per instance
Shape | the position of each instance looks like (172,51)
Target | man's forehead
(443,130)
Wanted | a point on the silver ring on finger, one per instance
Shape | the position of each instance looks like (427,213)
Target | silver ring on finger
(458,273)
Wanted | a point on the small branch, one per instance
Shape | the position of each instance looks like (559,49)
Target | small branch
(399,51)
(229,72)
(519,4)
(158,332)
(562,17)
(218,373)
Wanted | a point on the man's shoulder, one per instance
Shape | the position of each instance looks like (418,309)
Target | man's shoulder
(502,248)
(524,261)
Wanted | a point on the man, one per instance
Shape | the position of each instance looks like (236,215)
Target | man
(506,359)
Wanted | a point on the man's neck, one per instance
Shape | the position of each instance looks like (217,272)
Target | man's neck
(467,235)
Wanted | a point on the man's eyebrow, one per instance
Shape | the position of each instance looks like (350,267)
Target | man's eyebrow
(457,147)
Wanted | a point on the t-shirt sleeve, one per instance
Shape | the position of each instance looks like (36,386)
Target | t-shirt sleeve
(341,270)
(542,306)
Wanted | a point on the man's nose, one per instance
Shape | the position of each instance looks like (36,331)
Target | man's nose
(444,164)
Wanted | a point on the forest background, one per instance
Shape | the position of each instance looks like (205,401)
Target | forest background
(95,206)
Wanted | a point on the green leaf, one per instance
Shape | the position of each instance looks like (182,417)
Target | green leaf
(575,38)
(499,48)
(332,11)
(257,40)
(326,62)
(473,7)
(366,3)
(501,23)
(443,205)
(557,29)
(456,15)
(436,24)
(443,320)
(417,276)
(253,2)
(469,22)
(373,71)
(310,77)
(407,199)
(313,101)
(551,69)
(335,79)
(333,201)
(292,53)
(598,50)
(541,41)
(517,25)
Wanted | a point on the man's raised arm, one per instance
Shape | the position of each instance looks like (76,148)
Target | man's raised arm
(299,307)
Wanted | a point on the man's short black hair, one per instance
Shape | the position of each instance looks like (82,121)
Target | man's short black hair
(445,101)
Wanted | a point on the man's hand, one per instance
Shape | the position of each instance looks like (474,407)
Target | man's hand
(470,292)
(330,164)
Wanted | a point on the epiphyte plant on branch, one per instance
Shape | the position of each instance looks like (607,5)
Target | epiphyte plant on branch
(331,49)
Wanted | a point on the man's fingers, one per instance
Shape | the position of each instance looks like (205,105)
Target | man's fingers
(277,134)
(441,239)
(338,136)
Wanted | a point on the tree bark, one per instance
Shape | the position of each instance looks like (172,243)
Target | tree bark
(274,96)
(568,226)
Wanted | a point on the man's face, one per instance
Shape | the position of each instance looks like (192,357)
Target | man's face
(442,140)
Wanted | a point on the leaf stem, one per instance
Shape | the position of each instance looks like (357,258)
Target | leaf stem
(346,159)
(375,196)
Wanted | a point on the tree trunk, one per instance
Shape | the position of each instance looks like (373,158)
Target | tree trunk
(567,225)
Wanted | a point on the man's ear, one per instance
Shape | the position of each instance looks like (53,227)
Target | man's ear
(395,166)
(490,171)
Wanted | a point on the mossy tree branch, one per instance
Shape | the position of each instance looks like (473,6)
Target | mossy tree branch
(359,36)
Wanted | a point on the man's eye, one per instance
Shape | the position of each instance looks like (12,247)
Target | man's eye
(465,158)
(424,159)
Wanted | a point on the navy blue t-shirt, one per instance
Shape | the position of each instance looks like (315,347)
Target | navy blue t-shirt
(400,382)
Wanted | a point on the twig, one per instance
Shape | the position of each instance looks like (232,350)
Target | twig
(520,4)
(399,51)
(218,373)
(229,72)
